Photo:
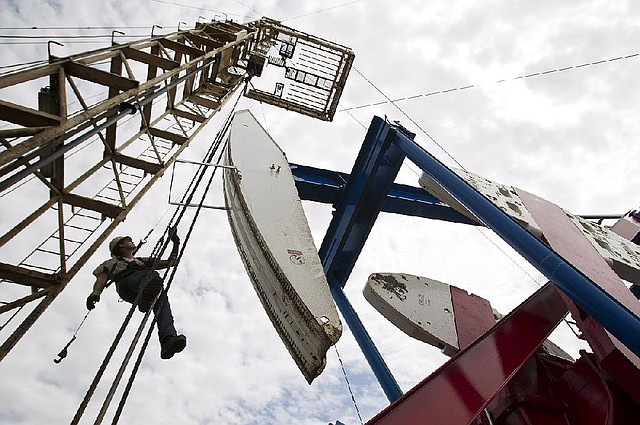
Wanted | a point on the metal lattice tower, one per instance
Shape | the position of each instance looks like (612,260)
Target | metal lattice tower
(71,176)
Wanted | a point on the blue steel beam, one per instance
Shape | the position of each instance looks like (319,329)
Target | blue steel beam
(355,212)
(602,306)
(326,186)
(376,362)
(361,200)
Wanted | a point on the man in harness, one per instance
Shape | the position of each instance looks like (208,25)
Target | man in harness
(137,281)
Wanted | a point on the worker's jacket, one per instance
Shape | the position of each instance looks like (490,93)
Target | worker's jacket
(118,268)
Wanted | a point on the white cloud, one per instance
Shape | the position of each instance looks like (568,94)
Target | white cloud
(568,136)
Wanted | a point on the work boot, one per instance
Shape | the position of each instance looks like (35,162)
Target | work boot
(172,344)
(149,294)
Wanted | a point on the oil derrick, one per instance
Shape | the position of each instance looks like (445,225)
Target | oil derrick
(73,168)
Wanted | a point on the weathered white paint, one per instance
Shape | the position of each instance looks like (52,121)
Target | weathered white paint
(424,309)
(419,306)
(274,240)
(501,195)
(621,254)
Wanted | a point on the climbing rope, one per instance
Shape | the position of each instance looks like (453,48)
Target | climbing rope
(187,199)
(63,353)
(346,378)
(103,367)
(168,277)
(123,366)
(132,376)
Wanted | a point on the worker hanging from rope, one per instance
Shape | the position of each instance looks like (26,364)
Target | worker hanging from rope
(138,282)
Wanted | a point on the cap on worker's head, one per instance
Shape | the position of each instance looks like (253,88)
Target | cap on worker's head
(113,245)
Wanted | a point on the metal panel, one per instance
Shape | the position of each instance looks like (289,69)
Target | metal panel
(420,307)
(503,196)
(276,246)
(310,72)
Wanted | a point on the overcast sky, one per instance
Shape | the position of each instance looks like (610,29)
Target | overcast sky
(567,135)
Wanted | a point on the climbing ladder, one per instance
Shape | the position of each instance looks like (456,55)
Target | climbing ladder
(160,93)
(129,156)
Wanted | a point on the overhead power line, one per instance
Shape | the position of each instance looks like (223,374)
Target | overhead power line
(322,10)
(186,6)
(534,74)
(14,43)
(58,36)
(16,65)
(90,27)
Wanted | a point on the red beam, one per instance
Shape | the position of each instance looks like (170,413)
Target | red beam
(458,391)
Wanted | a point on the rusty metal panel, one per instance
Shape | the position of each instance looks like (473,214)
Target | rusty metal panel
(310,72)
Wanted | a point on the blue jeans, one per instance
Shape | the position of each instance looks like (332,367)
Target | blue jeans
(128,290)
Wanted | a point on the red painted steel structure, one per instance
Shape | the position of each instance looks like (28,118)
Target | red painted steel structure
(459,391)
(506,378)
(473,316)
(565,238)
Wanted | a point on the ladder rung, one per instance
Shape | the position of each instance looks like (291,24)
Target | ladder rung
(84,229)
(38,267)
(66,240)
(79,214)
(46,251)
(115,189)
(106,197)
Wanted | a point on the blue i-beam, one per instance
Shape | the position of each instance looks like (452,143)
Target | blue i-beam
(601,305)
(362,195)
(356,210)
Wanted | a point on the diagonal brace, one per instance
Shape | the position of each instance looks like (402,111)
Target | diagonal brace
(373,173)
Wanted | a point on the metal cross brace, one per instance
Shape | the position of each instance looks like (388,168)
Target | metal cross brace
(364,194)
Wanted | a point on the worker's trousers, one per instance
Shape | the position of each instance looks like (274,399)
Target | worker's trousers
(128,288)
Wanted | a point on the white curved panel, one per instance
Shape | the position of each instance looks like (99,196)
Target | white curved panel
(420,307)
(276,246)
(620,253)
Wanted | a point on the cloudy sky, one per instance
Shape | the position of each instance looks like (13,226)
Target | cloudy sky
(549,111)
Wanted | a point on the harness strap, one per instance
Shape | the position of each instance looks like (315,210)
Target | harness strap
(131,268)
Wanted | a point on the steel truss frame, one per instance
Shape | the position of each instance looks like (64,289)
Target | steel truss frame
(191,71)
(194,72)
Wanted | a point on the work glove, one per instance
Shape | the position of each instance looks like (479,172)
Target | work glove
(173,234)
(92,300)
